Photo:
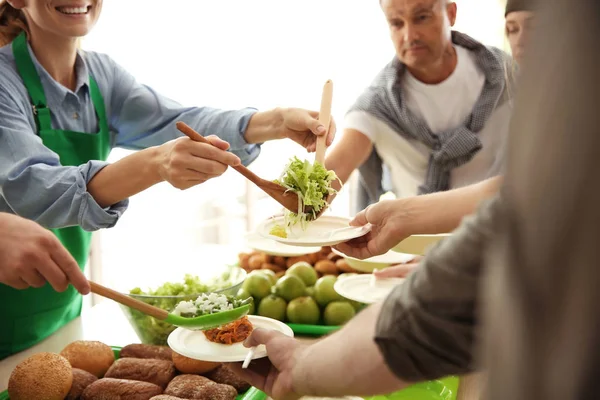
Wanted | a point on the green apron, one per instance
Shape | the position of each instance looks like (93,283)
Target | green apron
(30,315)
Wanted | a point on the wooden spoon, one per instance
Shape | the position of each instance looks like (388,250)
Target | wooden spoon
(287,199)
(202,322)
(325,120)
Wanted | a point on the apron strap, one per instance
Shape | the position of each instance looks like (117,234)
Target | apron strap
(32,82)
(98,102)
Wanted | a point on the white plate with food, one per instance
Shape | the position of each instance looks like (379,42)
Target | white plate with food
(324,231)
(377,262)
(196,345)
(273,248)
(365,288)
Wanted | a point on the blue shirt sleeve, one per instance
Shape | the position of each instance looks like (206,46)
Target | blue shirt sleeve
(33,183)
(143,118)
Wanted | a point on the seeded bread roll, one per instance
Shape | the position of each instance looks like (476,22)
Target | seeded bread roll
(188,386)
(149,351)
(226,376)
(217,391)
(43,376)
(91,356)
(119,389)
(158,372)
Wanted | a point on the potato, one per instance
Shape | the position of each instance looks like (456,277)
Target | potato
(326,267)
(256,261)
(244,258)
(342,266)
(293,260)
(314,257)
(333,257)
(280,261)
(272,267)
(325,250)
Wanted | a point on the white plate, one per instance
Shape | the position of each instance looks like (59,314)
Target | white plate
(316,233)
(418,244)
(358,288)
(193,344)
(377,262)
(273,248)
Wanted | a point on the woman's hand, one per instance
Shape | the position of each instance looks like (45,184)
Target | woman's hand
(185,163)
(30,256)
(301,126)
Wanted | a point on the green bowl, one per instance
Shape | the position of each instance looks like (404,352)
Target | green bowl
(152,331)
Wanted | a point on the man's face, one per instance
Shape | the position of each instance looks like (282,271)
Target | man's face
(420,29)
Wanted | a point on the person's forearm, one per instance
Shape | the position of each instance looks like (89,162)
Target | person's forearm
(265,126)
(126,177)
(359,371)
(442,212)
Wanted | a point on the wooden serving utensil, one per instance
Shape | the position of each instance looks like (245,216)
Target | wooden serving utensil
(324,119)
(202,322)
(287,199)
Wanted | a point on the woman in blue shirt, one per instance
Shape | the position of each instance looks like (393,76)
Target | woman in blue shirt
(61,111)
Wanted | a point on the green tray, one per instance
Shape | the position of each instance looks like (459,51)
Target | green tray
(251,394)
(440,389)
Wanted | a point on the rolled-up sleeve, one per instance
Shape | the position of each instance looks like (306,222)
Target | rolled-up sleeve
(427,326)
(34,185)
(143,118)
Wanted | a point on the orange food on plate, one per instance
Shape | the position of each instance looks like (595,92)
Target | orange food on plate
(234,332)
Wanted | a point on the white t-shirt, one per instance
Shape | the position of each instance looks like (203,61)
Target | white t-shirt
(443,107)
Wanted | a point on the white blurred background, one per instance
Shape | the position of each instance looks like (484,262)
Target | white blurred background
(233,54)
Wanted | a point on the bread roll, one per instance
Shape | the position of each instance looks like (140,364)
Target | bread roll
(91,356)
(44,376)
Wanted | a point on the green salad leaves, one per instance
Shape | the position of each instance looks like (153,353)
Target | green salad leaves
(312,183)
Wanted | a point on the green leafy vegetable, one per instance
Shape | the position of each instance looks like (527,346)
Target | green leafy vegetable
(312,183)
(167,296)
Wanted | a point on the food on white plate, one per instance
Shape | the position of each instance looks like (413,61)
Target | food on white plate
(152,331)
(45,376)
(234,332)
(91,356)
(206,304)
(312,184)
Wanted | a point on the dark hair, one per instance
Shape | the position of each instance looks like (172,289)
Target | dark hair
(12,23)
